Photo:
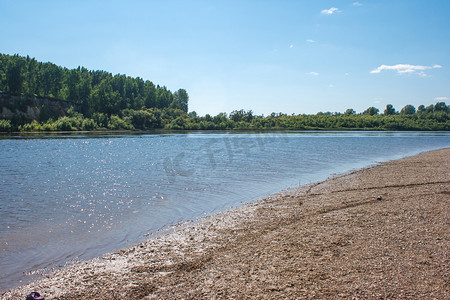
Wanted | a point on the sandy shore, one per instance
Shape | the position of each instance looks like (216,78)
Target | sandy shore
(332,239)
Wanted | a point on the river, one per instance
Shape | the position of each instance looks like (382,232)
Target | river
(76,196)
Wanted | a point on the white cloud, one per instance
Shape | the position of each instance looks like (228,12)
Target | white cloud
(441,98)
(405,69)
(291,46)
(331,85)
(357,3)
(313,73)
(330,11)
(311,41)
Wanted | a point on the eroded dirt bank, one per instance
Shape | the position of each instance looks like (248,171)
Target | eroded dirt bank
(333,239)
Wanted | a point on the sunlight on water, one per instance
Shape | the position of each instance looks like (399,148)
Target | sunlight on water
(76,197)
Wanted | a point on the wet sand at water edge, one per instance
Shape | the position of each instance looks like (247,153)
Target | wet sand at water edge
(379,232)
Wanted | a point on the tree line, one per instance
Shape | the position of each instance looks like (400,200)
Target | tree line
(106,102)
(432,117)
(94,91)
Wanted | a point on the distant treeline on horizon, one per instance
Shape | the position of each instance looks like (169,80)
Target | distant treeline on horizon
(99,100)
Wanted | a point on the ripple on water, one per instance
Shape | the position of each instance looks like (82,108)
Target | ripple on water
(79,197)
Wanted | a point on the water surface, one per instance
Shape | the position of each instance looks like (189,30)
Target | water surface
(78,196)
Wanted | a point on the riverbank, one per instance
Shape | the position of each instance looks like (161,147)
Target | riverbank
(376,232)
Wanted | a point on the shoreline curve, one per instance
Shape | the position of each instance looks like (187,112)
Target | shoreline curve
(380,231)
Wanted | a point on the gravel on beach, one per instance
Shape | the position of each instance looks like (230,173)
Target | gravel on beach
(380,232)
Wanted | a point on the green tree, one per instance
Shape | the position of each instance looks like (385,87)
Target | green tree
(51,80)
(32,81)
(371,111)
(241,115)
(15,74)
(73,84)
(193,114)
(390,110)
(149,95)
(408,110)
(440,106)
(349,112)
(163,97)
(181,99)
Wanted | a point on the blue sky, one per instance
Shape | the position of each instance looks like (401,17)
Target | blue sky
(268,56)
